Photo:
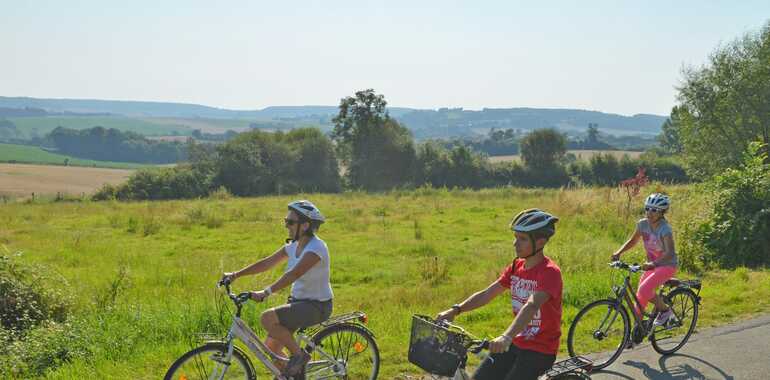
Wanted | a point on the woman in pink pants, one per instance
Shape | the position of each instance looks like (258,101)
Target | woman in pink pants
(661,263)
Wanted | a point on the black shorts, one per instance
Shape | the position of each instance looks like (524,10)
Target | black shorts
(303,313)
(514,364)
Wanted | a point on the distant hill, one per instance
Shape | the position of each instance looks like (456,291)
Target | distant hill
(441,123)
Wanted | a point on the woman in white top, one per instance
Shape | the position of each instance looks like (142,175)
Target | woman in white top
(307,272)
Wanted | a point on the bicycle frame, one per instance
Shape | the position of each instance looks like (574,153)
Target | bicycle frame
(626,293)
(241,331)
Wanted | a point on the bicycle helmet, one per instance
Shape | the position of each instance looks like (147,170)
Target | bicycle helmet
(307,210)
(658,201)
(535,223)
(534,220)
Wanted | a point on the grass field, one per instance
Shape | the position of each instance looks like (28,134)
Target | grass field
(392,255)
(579,154)
(34,155)
(42,125)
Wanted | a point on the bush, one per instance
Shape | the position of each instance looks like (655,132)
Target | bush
(35,333)
(25,301)
(737,232)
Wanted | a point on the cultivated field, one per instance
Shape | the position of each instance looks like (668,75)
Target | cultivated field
(579,154)
(25,154)
(142,274)
(21,180)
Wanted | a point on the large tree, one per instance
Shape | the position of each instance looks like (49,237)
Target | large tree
(377,151)
(543,148)
(725,104)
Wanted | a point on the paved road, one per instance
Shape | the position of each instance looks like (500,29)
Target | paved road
(739,351)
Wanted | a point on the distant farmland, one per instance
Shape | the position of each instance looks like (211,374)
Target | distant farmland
(580,154)
(42,125)
(24,154)
(21,180)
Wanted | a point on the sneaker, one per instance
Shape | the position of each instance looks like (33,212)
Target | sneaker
(296,364)
(663,318)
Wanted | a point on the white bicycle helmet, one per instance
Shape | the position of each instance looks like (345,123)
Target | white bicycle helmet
(308,210)
(658,201)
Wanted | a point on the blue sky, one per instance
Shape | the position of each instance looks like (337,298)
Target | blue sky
(612,56)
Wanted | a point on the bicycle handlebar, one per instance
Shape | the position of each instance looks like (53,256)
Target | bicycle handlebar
(633,268)
(239,298)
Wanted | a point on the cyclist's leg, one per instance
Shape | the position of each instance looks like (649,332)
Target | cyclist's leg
(650,281)
(281,322)
(496,366)
(279,332)
(530,365)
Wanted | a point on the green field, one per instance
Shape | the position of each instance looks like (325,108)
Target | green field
(34,155)
(40,126)
(392,255)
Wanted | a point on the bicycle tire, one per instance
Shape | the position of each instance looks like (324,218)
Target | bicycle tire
(685,305)
(199,363)
(590,337)
(345,342)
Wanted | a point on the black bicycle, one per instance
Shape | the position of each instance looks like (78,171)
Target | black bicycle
(602,330)
(441,349)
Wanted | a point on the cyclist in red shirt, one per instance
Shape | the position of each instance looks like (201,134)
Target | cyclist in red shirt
(528,347)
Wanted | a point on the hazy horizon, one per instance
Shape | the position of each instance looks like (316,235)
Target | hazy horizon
(620,59)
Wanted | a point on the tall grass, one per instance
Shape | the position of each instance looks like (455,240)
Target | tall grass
(142,274)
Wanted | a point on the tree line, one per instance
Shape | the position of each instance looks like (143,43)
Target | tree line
(99,143)
(369,150)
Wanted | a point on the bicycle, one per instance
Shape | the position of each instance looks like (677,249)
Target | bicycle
(603,327)
(340,347)
(441,348)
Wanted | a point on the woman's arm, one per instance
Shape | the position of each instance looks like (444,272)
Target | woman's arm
(261,265)
(630,243)
(476,300)
(308,260)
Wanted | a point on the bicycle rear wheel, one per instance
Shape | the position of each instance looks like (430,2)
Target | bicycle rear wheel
(210,361)
(599,333)
(671,337)
(354,349)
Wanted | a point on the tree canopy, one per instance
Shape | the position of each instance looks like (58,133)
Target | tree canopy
(724,104)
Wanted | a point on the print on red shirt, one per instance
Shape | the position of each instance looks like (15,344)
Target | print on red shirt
(543,331)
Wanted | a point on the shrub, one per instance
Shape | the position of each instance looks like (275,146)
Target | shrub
(25,301)
(737,232)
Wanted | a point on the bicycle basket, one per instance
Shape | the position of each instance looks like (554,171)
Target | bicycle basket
(436,349)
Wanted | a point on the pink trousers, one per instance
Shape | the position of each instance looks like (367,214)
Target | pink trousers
(650,281)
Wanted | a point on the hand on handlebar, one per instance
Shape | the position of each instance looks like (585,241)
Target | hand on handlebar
(615,257)
(258,296)
(447,315)
(500,344)
(227,278)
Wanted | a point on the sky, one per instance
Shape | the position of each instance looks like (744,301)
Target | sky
(612,56)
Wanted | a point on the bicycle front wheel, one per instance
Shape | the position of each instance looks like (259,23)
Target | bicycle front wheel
(599,332)
(670,337)
(344,351)
(211,361)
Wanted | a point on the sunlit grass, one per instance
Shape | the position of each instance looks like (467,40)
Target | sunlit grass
(393,255)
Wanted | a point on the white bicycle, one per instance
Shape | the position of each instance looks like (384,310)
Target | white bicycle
(341,348)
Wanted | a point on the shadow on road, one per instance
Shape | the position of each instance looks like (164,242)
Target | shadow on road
(687,367)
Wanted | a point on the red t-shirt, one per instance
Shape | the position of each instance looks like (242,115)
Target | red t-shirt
(543,332)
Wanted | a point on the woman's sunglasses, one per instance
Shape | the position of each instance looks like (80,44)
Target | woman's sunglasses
(653,209)
(289,222)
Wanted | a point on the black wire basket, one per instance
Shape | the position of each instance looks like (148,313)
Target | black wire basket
(437,349)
